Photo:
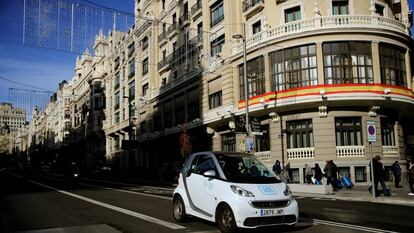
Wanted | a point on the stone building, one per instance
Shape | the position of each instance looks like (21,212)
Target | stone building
(11,117)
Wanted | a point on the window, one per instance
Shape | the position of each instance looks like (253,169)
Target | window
(257,27)
(360,174)
(292,14)
(215,100)
(200,29)
(145,88)
(392,61)
(157,122)
(216,45)
(193,110)
(228,142)
(344,171)
(294,175)
(348,131)
(144,43)
(347,62)
(294,67)
(217,13)
(204,163)
(116,117)
(117,80)
(379,9)
(263,141)
(179,115)
(117,101)
(299,134)
(255,78)
(340,7)
(168,119)
(131,91)
(142,127)
(145,66)
(131,49)
(162,4)
(387,132)
(131,68)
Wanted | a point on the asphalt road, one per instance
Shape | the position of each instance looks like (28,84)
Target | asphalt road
(37,203)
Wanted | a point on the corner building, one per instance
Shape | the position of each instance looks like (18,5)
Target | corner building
(317,72)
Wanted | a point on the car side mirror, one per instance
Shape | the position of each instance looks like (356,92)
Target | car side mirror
(210,174)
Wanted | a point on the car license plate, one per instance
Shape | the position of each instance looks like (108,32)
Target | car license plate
(271,212)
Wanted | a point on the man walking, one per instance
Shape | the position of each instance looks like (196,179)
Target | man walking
(396,171)
(379,176)
(411,177)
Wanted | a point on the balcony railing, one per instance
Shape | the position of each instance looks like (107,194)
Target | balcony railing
(183,20)
(301,153)
(162,36)
(249,4)
(390,151)
(350,151)
(319,23)
(172,28)
(196,7)
(263,155)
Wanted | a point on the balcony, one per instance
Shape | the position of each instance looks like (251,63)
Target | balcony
(350,151)
(337,22)
(164,63)
(390,151)
(196,10)
(197,40)
(162,37)
(301,153)
(172,29)
(251,7)
(183,20)
(263,155)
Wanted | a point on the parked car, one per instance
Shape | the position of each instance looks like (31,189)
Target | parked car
(236,190)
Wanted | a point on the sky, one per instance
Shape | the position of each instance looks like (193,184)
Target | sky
(39,67)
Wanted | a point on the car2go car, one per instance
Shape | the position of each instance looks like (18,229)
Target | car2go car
(234,190)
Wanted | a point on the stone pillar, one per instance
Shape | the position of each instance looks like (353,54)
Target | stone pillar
(376,68)
(319,58)
(408,69)
(268,82)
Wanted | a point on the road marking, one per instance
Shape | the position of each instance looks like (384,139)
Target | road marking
(345,225)
(119,209)
(128,191)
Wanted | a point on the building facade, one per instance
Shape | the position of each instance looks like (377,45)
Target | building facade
(11,117)
(318,74)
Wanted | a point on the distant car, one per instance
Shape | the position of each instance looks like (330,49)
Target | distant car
(45,168)
(236,190)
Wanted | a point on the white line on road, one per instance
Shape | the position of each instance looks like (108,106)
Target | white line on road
(344,225)
(122,210)
(127,191)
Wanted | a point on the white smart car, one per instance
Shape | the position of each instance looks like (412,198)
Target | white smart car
(234,190)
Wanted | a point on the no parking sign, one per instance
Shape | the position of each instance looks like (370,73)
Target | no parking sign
(371,131)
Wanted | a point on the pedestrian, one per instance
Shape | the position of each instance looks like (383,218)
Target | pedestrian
(379,176)
(411,177)
(276,168)
(286,174)
(318,174)
(308,174)
(396,171)
(331,171)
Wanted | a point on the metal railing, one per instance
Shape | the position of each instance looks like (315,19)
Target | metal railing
(196,7)
(248,4)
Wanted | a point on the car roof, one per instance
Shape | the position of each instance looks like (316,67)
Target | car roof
(226,153)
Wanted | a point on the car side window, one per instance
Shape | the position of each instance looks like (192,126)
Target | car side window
(204,163)
(192,167)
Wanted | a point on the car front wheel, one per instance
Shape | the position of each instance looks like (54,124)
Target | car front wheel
(225,219)
(179,209)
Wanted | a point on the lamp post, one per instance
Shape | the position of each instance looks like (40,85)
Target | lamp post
(246,96)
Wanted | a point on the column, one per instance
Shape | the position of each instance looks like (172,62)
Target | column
(319,58)
(268,82)
(408,69)
(376,67)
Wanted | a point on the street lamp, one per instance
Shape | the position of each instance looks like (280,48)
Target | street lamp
(246,97)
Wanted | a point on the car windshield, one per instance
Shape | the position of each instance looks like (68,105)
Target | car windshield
(240,168)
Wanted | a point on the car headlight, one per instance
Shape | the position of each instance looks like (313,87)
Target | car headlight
(241,191)
(287,191)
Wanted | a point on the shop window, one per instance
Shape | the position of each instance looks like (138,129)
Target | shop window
(263,141)
(387,132)
(392,62)
(255,78)
(228,142)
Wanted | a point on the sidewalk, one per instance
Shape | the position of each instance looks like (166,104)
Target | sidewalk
(360,193)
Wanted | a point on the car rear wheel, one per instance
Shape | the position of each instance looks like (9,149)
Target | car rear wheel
(179,209)
(225,219)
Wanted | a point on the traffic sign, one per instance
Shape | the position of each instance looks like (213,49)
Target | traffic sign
(371,131)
